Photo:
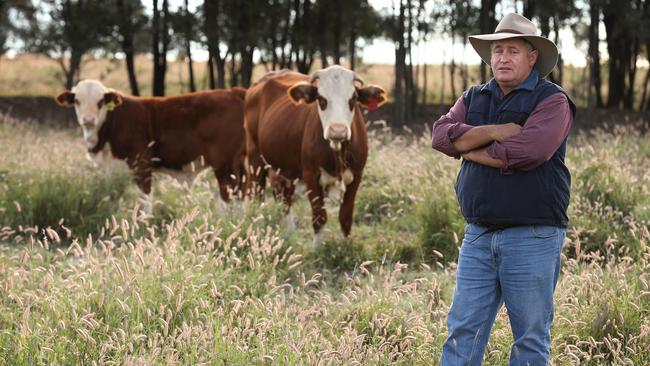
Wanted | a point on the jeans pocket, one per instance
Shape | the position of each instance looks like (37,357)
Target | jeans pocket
(542,231)
(473,232)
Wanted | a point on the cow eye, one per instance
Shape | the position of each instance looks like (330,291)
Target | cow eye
(100,103)
(322,102)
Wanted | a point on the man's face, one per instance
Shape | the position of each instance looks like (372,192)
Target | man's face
(511,62)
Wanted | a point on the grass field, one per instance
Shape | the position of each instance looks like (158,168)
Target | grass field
(86,279)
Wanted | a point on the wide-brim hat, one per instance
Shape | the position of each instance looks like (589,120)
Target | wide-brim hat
(516,26)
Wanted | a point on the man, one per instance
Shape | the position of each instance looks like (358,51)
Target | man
(513,190)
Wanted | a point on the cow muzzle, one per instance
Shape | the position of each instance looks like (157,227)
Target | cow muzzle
(337,132)
(89,122)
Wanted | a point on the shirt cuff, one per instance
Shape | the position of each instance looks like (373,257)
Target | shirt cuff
(499,152)
(457,130)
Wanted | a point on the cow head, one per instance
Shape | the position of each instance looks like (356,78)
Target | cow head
(91,101)
(337,90)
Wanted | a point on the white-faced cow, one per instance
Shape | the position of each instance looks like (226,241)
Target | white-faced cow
(179,135)
(325,144)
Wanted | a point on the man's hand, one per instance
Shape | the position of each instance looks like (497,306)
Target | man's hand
(481,156)
(504,131)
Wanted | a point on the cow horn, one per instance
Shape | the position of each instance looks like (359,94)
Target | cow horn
(357,78)
(315,76)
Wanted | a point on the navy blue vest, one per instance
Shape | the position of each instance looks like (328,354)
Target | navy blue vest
(537,197)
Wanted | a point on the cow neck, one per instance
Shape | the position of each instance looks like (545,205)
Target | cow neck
(103,134)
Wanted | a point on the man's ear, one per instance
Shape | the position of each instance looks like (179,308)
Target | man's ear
(65,99)
(112,100)
(372,96)
(302,91)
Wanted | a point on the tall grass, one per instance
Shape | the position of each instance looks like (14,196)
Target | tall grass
(199,284)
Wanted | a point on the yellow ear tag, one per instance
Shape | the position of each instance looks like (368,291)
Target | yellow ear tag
(110,106)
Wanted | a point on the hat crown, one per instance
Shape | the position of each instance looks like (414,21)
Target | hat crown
(515,23)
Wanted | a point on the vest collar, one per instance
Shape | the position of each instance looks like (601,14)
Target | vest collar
(529,84)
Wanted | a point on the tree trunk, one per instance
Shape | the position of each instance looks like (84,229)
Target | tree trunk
(211,68)
(400,63)
(425,83)
(75,64)
(337,32)
(322,11)
(127,46)
(246,65)
(530,7)
(643,105)
(560,60)
(160,44)
(188,48)
(487,24)
(617,42)
(408,80)
(234,72)
(594,53)
(353,40)
(633,49)
(130,68)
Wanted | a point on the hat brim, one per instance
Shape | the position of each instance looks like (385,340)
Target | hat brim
(547,53)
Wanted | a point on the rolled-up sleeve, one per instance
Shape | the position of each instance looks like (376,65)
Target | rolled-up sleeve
(542,134)
(449,128)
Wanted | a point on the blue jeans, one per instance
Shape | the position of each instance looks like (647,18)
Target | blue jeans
(518,266)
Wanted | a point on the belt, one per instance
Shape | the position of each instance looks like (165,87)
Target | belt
(495,226)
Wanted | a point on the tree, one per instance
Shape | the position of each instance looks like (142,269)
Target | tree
(185,32)
(9,10)
(622,20)
(71,31)
(214,28)
(487,24)
(160,40)
(129,20)
(594,51)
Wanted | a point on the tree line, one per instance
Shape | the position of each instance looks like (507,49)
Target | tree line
(298,34)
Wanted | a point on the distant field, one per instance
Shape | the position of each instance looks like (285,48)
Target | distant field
(37,75)
(86,279)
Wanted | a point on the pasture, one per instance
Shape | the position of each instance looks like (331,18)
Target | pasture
(85,278)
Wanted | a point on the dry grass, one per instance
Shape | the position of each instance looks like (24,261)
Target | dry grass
(194,285)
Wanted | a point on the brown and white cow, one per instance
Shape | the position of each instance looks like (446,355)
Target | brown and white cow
(325,144)
(179,135)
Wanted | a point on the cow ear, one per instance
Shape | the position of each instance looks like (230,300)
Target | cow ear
(112,100)
(372,96)
(302,91)
(65,99)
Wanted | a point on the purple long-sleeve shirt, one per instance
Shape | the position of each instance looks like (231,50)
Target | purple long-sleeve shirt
(541,135)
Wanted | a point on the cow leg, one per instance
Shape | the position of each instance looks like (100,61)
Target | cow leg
(315,195)
(287,189)
(347,206)
(255,169)
(143,183)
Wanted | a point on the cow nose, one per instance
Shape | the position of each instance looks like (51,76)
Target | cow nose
(88,121)
(337,132)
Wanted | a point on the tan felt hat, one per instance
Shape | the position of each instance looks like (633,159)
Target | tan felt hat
(516,26)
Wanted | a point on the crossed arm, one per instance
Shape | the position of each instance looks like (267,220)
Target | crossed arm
(505,146)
